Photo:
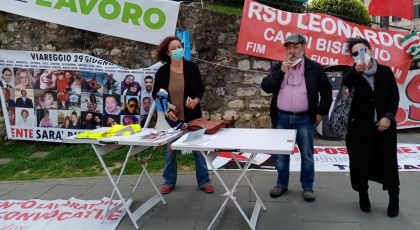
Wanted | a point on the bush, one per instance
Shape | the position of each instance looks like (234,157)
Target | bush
(286,5)
(349,10)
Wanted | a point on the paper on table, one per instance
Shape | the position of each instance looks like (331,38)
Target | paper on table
(194,135)
(158,134)
(204,140)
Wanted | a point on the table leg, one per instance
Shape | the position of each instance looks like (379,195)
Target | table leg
(230,192)
(117,182)
(111,179)
(155,199)
(253,155)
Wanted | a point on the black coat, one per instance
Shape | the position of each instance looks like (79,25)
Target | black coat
(27,104)
(373,155)
(317,85)
(193,86)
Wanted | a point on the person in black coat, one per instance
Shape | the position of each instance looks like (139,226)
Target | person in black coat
(371,137)
(23,101)
(182,80)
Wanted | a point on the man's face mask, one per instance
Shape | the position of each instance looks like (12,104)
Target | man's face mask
(361,56)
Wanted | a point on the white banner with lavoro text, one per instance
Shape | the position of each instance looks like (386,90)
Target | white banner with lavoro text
(327,159)
(148,21)
(69,214)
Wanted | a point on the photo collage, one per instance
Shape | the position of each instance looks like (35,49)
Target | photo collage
(75,99)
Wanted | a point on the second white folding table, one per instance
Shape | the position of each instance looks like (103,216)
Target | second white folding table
(236,140)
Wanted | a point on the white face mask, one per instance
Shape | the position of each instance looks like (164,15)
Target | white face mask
(363,56)
(296,60)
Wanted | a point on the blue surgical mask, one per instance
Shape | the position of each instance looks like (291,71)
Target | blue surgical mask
(178,54)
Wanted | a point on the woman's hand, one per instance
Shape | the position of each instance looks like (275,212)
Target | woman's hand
(318,119)
(191,104)
(383,124)
(172,116)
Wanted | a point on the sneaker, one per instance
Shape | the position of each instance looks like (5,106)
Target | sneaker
(167,189)
(277,191)
(208,188)
(308,195)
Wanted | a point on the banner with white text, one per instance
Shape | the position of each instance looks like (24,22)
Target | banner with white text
(37,214)
(327,159)
(50,95)
(264,29)
(148,21)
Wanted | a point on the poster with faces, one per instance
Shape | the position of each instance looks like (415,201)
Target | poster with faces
(48,97)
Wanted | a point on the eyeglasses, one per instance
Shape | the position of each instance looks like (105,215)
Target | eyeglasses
(132,105)
(355,54)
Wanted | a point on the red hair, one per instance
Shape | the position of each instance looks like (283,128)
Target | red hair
(162,49)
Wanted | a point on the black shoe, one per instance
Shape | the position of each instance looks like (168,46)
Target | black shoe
(393,206)
(393,210)
(277,191)
(364,202)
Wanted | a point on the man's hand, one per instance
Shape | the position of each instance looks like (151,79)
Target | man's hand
(383,124)
(318,119)
(286,64)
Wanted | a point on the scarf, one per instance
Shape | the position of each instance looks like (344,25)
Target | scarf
(369,74)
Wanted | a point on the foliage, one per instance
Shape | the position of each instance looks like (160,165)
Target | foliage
(225,9)
(349,10)
(286,5)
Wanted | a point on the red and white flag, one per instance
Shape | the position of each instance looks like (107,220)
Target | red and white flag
(397,8)
(411,44)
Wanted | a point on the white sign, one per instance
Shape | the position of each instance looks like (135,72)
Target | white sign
(37,214)
(147,21)
(327,159)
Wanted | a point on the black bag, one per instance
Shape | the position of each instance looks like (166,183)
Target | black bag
(338,121)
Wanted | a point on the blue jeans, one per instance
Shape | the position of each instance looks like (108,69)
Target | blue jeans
(304,139)
(170,169)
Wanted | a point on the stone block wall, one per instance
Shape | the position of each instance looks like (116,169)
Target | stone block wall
(231,93)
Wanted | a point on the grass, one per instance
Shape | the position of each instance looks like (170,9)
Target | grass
(73,160)
(231,10)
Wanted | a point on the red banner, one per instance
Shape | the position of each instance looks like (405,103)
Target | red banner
(408,114)
(263,30)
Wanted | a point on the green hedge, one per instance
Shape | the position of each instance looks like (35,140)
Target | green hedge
(287,5)
(352,10)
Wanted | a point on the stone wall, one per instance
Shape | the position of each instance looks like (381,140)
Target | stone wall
(230,93)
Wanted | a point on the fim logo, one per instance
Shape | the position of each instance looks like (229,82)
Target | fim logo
(255,47)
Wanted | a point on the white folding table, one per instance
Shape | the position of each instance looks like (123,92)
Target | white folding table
(137,144)
(235,140)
